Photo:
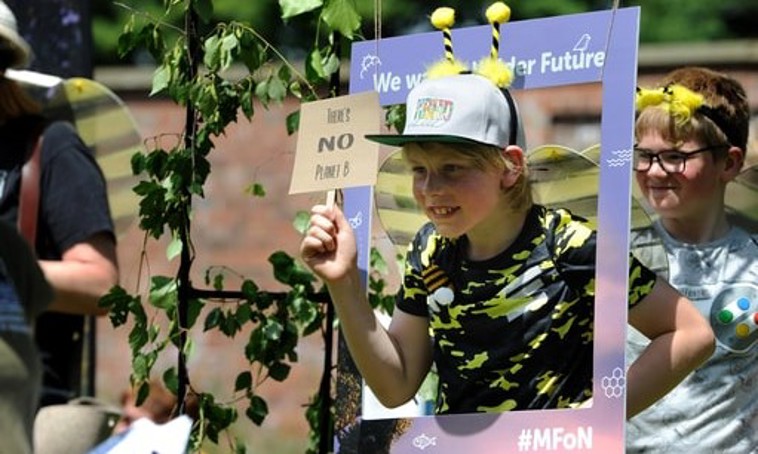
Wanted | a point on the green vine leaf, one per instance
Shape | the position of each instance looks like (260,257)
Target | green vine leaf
(153,332)
(287,271)
(218,282)
(292,8)
(118,303)
(395,117)
(138,338)
(341,16)
(331,64)
(142,393)
(314,66)
(244,314)
(293,122)
(214,319)
(163,293)
(174,248)
(250,289)
(302,221)
(171,379)
(128,39)
(256,190)
(279,371)
(251,53)
(230,326)
(261,92)
(244,381)
(272,329)
(194,309)
(161,79)
(277,89)
(212,56)
(142,365)
(257,411)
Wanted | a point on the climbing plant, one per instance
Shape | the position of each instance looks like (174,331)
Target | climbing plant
(192,63)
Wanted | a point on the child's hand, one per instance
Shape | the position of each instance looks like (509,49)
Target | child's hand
(328,247)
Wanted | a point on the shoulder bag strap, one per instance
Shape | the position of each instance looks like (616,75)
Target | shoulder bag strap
(28,204)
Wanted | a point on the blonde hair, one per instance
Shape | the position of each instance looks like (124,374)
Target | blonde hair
(488,156)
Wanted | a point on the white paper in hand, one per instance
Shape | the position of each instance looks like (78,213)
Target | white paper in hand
(146,437)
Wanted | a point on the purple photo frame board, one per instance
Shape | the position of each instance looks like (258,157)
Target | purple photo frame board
(574,49)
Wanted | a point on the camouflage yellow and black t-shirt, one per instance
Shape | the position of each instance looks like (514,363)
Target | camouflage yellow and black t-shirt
(515,332)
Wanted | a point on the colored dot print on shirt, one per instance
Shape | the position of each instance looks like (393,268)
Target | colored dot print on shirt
(726,316)
(735,317)
(742,330)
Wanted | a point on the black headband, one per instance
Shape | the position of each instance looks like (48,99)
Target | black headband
(729,130)
(513,127)
(513,131)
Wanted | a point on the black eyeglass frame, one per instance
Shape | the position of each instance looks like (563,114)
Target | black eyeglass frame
(650,156)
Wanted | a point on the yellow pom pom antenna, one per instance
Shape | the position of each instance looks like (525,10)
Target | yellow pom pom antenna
(443,19)
(492,67)
(497,13)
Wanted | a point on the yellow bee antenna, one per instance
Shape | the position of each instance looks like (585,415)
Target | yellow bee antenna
(493,67)
(497,13)
(442,19)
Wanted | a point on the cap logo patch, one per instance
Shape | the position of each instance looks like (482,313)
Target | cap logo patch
(432,111)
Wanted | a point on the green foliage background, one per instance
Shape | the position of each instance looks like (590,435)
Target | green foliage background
(661,20)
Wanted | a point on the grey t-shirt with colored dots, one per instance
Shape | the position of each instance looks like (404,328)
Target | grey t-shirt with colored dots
(715,409)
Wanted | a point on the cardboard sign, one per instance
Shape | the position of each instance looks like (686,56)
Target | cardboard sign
(331,150)
(564,50)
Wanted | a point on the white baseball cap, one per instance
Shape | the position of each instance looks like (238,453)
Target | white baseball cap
(11,41)
(463,108)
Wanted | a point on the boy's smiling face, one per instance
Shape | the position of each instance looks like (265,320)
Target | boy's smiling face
(691,195)
(455,193)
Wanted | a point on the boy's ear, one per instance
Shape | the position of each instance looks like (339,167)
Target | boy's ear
(515,165)
(733,162)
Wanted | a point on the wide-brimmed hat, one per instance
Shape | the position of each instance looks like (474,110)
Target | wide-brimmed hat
(74,427)
(464,108)
(11,40)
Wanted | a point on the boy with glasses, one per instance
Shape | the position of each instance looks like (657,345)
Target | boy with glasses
(691,142)
(671,161)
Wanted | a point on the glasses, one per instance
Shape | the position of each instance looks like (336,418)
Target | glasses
(671,161)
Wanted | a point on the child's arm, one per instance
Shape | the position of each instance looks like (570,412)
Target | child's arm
(680,340)
(394,361)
